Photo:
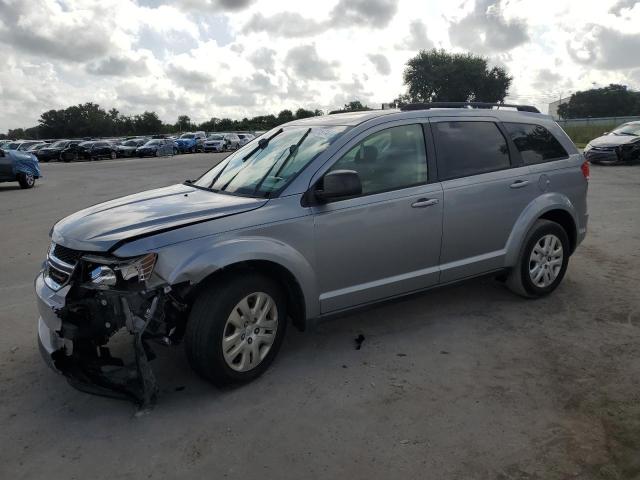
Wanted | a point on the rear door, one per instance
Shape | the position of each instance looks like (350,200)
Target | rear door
(486,187)
(386,241)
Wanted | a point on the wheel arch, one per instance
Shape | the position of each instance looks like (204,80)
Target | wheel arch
(275,259)
(296,304)
(552,206)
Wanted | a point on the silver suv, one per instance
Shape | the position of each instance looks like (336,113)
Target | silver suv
(318,216)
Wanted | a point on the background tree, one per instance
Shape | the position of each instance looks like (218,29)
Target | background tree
(184,123)
(439,76)
(611,101)
(353,106)
(285,116)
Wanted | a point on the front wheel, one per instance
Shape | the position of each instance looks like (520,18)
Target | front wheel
(543,261)
(26,180)
(114,155)
(236,328)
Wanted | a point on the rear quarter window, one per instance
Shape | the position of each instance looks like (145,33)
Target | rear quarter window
(535,143)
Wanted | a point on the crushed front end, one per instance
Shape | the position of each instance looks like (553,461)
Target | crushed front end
(84,299)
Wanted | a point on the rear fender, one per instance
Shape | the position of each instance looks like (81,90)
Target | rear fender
(537,208)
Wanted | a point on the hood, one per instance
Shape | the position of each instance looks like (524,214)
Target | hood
(613,140)
(102,226)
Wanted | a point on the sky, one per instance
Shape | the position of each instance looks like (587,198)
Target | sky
(237,58)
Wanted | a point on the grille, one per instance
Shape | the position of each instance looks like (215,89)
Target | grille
(66,255)
(56,275)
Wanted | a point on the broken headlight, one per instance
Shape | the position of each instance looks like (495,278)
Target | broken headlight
(140,268)
(104,272)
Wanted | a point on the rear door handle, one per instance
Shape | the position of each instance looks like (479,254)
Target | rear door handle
(425,202)
(519,184)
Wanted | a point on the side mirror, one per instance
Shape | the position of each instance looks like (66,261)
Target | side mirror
(339,184)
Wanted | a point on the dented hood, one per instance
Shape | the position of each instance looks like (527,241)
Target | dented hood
(101,227)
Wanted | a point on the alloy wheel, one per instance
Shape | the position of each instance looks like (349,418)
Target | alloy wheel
(250,331)
(545,261)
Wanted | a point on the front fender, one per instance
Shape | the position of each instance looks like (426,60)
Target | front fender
(215,255)
(538,207)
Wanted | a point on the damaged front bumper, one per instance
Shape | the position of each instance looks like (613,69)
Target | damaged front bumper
(74,329)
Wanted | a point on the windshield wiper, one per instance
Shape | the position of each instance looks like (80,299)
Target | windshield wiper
(262,144)
(293,150)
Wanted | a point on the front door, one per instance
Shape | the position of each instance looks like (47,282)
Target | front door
(385,242)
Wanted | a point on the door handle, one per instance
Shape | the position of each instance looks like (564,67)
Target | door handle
(425,202)
(519,184)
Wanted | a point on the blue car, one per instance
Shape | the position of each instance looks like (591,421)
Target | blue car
(191,142)
(18,166)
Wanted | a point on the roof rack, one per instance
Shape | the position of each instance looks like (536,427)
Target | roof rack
(487,105)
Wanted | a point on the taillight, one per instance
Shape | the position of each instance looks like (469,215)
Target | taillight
(585,169)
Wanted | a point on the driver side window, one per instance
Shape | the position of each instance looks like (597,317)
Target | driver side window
(387,160)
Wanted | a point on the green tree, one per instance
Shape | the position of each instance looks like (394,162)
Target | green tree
(611,101)
(285,116)
(439,76)
(184,123)
(303,113)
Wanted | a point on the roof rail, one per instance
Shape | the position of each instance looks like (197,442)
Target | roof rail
(487,105)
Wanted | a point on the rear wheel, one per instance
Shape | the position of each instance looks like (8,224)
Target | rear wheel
(26,180)
(543,261)
(236,328)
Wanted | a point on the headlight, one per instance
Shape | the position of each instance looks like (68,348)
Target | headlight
(141,267)
(103,276)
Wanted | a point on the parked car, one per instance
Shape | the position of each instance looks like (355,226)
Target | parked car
(36,146)
(26,144)
(91,150)
(215,143)
(156,148)
(317,217)
(621,145)
(54,150)
(18,166)
(128,147)
(191,142)
(245,138)
(12,145)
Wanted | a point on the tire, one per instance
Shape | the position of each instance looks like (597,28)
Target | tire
(210,321)
(157,153)
(524,279)
(26,180)
(175,151)
(114,155)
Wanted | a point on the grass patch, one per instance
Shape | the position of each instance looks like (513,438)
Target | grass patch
(583,134)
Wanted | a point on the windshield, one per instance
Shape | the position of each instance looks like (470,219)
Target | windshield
(215,137)
(153,142)
(59,144)
(187,135)
(262,168)
(130,143)
(628,129)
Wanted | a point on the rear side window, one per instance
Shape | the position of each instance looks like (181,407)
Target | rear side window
(469,148)
(535,143)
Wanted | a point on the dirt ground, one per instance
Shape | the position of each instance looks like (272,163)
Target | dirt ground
(464,382)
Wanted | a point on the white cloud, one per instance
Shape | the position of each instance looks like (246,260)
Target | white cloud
(233,58)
